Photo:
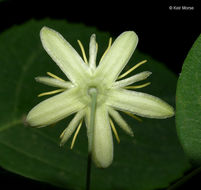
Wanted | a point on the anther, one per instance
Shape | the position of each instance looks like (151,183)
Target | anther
(138,86)
(83,51)
(54,76)
(133,116)
(75,135)
(109,45)
(51,92)
(133,68)
(114,131)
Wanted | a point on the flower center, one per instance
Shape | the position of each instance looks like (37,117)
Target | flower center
(92,90)
(91,85)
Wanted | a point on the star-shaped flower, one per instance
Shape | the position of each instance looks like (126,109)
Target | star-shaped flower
(94,93)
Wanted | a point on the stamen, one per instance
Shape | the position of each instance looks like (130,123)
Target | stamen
(62,134)
(83,51)
(137,86)
(109,45)
(75,135)
(51,92)
(133,116)
(114,131)
(54,76)
(53,125)
(133,68)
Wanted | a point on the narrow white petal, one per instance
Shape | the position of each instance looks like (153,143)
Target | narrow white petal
(64,55)
(71,127)
(55,108)
(54,82)
(131,80)
(102,150)
(120,121)
(139,103)
(92,52)
(117,56)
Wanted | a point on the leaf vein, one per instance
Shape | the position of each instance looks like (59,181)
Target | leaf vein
(10,124)
(32,156)
(29,62)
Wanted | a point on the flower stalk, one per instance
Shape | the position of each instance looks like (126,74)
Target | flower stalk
(93,94)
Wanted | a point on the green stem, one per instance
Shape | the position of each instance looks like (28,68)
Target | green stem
(88,177)
(184,179)
(93,94)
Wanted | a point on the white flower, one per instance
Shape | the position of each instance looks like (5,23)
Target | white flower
(86,78)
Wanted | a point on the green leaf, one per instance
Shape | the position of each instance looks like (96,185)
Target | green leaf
(188,96)
(150,160)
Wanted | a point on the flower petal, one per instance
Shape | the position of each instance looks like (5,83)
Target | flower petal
(131,80)
(66,134)
(54,82)
(139,103)
(102,149)
(117,56)
(120,121)
(92,52)
(64,55)
(55,108)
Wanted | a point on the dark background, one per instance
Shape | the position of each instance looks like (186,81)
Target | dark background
(167,35)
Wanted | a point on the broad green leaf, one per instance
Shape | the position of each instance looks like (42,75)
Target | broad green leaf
(150,160)
(188,114)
